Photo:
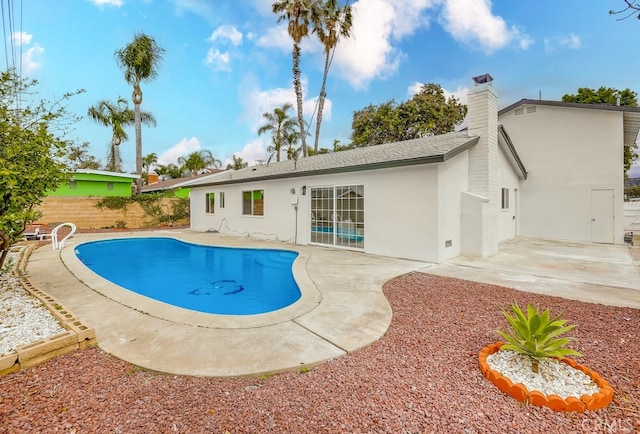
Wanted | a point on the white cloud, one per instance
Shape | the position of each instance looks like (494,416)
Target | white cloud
(180,149)
(217,60)
(226,33)
(368,54)
(373,51)
(31,59)
(116,3)
(473,23)
(277,37)
(252,153)
(257,101)
(202,8)
(570,41)
(21,38)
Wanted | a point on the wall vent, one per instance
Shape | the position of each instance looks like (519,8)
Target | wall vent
(519,111)
(531,109)
(448,243)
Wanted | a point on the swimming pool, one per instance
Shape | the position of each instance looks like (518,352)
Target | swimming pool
(219,280)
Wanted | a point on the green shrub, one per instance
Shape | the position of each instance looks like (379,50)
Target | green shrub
(536,335)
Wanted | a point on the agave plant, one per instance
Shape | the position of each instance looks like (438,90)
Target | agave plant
(536,335)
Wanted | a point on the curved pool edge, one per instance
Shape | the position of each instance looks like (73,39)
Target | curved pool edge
(353,313)
(310,296)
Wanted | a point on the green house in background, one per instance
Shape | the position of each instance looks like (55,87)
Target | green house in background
(97,183)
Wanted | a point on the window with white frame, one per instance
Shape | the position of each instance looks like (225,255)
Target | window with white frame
(253,202)
(210,203)
(221,205)
(505,198)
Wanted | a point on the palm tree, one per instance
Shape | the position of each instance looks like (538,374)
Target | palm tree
(198,160)
(299,14)
(333,23)
(117,116)
(148,160)
(170,171)
(280,125)
(237,164)
(139,60)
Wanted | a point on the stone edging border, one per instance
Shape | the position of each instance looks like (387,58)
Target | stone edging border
(77,335)
(518,391)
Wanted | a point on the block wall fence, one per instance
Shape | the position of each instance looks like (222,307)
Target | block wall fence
(82,211)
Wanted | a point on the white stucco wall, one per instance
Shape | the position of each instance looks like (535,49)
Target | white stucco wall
(568,152)
(453,179)
(401,209)
(507,177)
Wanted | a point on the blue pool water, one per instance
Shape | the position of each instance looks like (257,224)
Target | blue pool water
(219,280)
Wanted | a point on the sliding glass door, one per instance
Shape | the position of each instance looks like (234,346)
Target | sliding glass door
(337,216)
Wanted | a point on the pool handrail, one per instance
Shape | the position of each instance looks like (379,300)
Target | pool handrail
(54,235)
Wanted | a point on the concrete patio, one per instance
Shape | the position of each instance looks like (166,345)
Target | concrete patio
(341,310)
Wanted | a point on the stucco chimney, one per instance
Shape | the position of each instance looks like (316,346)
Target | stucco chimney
(480,205)
(482,121)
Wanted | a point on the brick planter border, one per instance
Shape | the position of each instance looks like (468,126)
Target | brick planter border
(77,335)
(518,391)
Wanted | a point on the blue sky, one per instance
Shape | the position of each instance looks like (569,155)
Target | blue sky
(227,62)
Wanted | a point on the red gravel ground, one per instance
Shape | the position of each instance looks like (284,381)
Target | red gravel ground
(421,377)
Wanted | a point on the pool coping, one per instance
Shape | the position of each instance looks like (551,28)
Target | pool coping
(310,296)
(342,310)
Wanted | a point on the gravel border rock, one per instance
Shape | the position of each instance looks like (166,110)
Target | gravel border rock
(553,378)
(421,377)
(23,318)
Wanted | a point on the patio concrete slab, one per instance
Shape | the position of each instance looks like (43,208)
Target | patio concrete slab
(342,307)
(597,273)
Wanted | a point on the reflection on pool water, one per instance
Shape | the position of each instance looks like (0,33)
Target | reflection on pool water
(220,280)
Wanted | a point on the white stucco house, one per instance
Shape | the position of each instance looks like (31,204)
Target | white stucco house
(536,168)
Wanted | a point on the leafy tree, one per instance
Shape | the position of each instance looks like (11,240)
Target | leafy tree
(198,160)
(427,113)
(139,60)
(280,125)
(117,116)
(332,23)
(611,96)
(169,171)
(32,153)
(603,95)
(79,157)
(299,14)
(633,191)
(237,163)
(174,171)
(632,8)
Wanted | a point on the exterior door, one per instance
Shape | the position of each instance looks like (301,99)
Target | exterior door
(337,216)
(603,216)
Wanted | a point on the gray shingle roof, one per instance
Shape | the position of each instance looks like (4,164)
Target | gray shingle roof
(431,149)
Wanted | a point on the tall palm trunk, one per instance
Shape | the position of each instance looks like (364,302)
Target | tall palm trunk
(321,98)
(113,159)
(137,100)
(298,89)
